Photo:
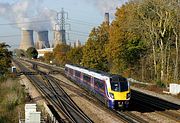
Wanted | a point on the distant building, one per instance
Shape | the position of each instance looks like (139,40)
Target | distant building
(41,52)
(77,43)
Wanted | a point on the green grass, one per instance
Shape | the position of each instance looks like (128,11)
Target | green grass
(12,100)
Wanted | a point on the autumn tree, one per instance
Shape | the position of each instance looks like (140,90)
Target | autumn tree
(161,21)
(74,56)
(125,46)
(94,55)
(48,57)
(60,52)
(5,58)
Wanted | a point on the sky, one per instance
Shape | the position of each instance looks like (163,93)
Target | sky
(81,16)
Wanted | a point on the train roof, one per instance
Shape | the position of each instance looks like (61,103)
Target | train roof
(96,73)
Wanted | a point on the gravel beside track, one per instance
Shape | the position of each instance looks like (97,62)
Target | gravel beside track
(139,108)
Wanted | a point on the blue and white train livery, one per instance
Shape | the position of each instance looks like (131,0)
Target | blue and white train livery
(113,90)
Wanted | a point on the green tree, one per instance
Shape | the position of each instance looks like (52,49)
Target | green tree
(5,58)
(74,56)
(94,55)
(32,52)
(160,24)
(125,45)
(60,52)
(134,50)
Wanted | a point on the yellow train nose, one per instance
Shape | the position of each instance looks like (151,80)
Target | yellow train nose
(120,95)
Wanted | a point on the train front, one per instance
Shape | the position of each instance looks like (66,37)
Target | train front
(119,92)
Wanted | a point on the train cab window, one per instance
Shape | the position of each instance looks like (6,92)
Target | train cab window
(120,85)
(77,74)
(124,86)
(115,86)
(86,78)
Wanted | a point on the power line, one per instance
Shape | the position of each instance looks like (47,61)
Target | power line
(73,33)
(78,32)
(81,21)
(40,21)
(47,21)
(70,32)
(16,35)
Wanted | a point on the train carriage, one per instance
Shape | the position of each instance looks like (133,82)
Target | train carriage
(112,90)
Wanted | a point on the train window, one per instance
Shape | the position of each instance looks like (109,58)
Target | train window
(96,82)
(77,74)
(66,69)
(86,78)
(99,83)
(71,71)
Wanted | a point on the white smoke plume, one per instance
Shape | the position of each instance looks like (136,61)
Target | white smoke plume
(107,5)
(28,14)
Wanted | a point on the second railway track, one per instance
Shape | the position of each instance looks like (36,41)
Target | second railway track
(125,116)
(58,98)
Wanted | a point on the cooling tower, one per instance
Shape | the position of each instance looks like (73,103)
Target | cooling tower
(59,37)
(42,40)
(77,43)
(26,40)
(106,18)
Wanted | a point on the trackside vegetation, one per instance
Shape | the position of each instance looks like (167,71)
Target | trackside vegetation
(142,42)
(12,100)
(5,59)
(12,96)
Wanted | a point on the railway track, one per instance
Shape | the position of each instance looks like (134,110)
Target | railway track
(69,106)
(157,105)
(125,116)
(58,98)
(147,102)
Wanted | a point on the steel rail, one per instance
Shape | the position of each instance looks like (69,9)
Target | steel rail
(159,106)
(65,104)
(44,92)
(77,114)
(125,116)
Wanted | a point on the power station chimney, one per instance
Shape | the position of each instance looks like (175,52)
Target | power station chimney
(26,39)
(59,37)
(106,18)
(42,40)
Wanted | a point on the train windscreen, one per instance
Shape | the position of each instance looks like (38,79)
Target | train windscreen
(119,85)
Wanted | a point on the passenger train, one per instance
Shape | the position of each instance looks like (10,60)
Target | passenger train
(113,90)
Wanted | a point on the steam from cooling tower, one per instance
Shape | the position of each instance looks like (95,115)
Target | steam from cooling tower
(29,14)
(107,5)
(32,15)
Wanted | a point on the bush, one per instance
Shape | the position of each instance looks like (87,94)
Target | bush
(3,119)
(12,99)
(159,83)
(2,79)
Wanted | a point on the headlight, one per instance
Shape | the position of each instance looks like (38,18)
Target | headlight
(128,95)
(111,95)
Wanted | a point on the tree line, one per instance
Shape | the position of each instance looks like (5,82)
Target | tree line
(142,42)
(5,59)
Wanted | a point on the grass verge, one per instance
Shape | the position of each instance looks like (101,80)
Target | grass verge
(12,99)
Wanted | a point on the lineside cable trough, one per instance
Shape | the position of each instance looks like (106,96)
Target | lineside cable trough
(31,114)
